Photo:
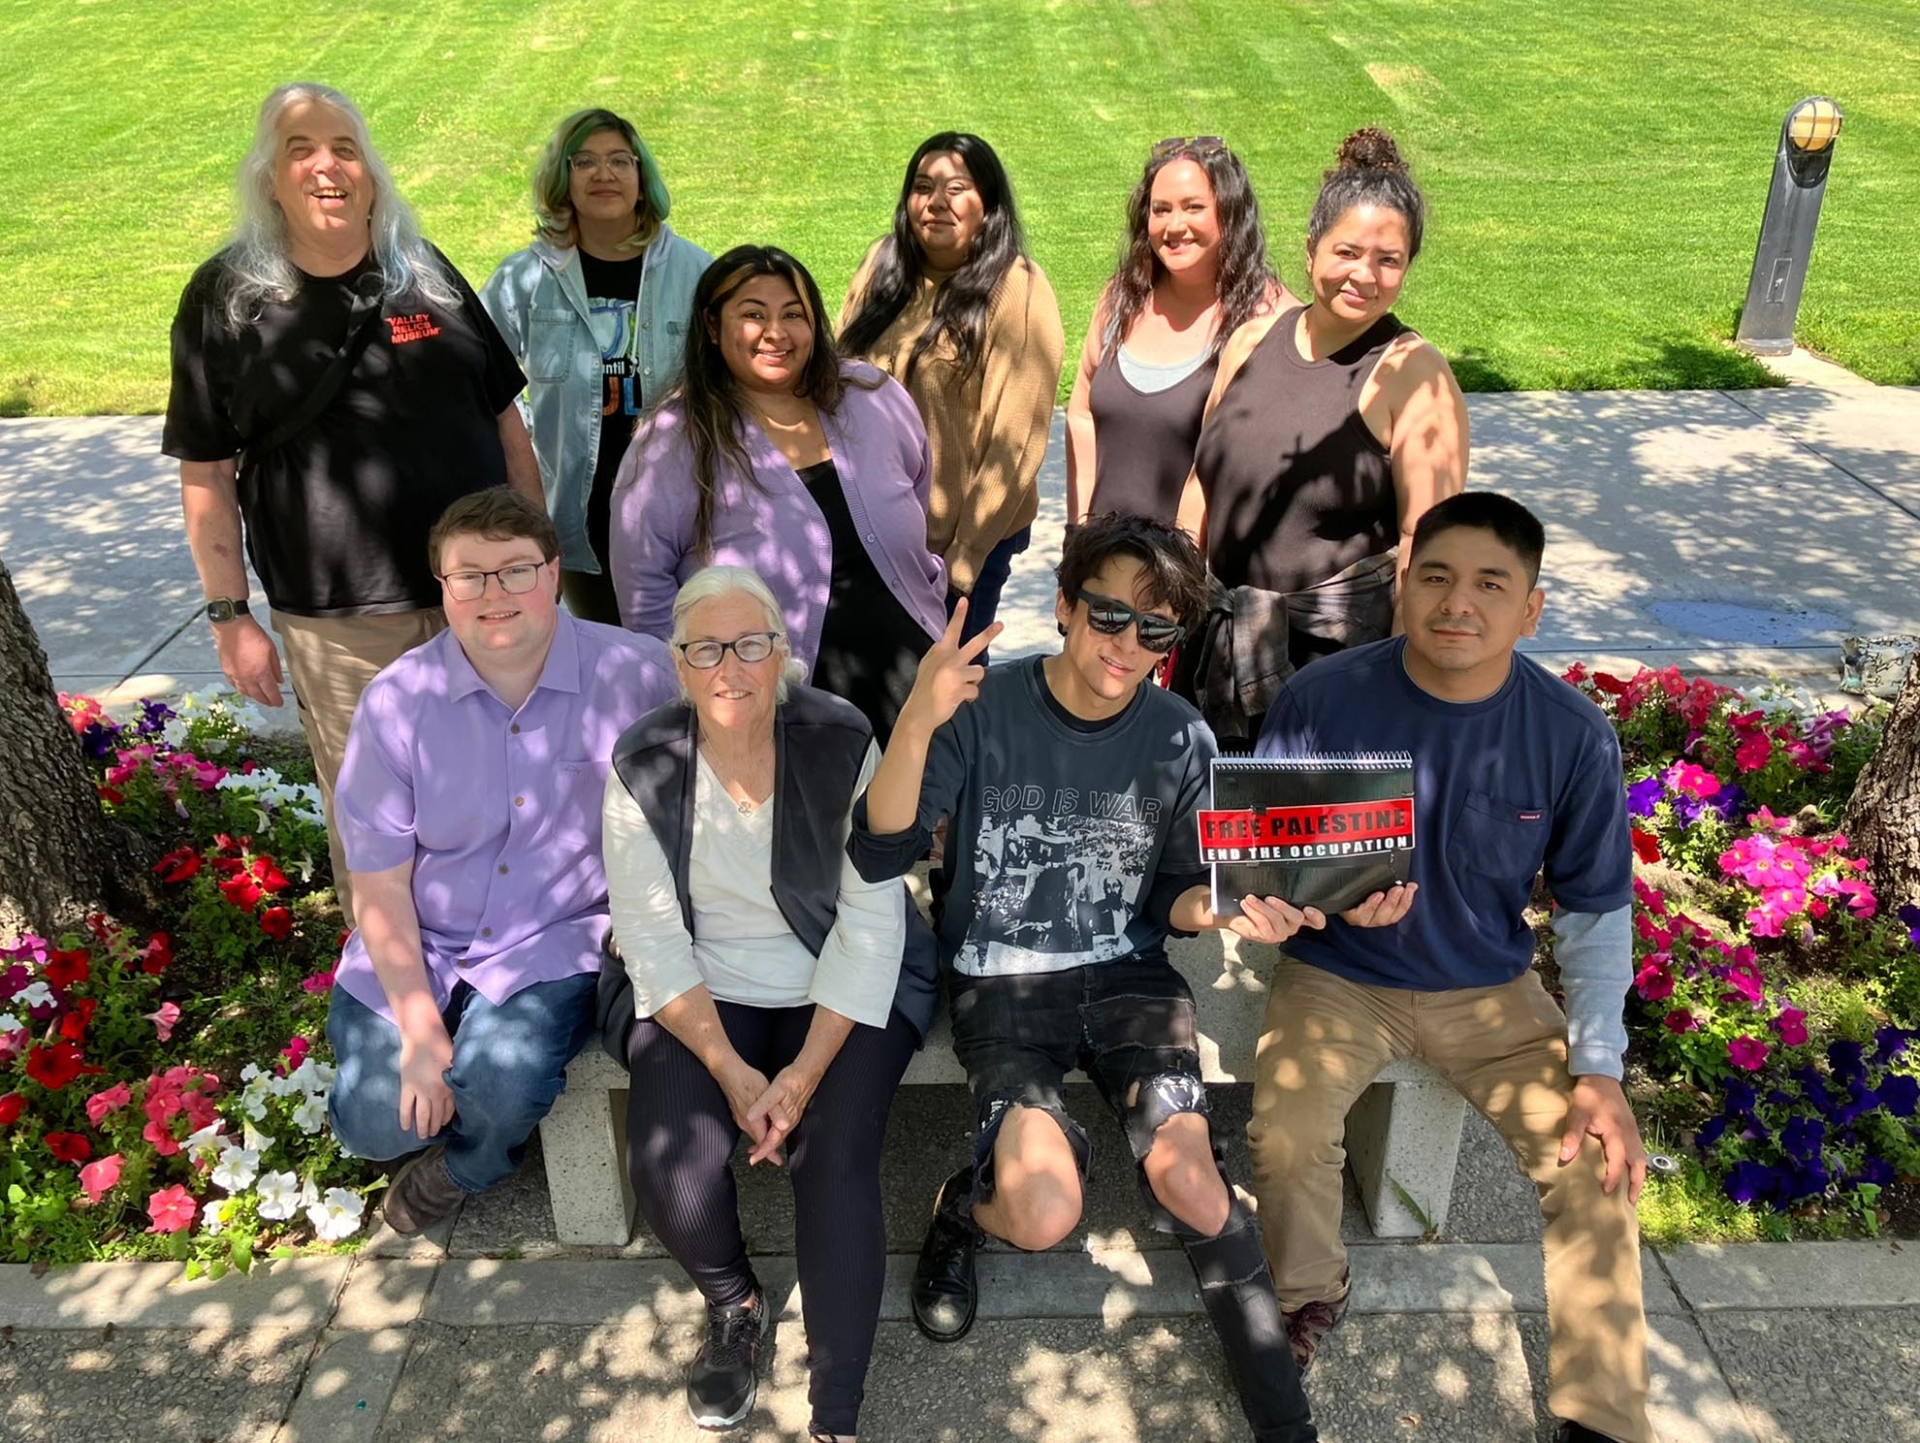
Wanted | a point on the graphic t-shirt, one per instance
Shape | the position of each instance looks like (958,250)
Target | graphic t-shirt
(613,296)
(1526,778)
(337,518)
(1065,847)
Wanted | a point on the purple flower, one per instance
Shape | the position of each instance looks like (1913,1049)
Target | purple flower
(1910,918)
(1753,1182)
(1899,1094)
(99,739)
(1845,1058)
(1875,1170)
(1800,1139)
(1710,1132)
(1889,1043)
(153,716)
(1810,1180)
(1641,796)
(1860,1100)
(1740,1098)
(1815,1087)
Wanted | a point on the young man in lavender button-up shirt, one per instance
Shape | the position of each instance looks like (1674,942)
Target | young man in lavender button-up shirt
(469,808)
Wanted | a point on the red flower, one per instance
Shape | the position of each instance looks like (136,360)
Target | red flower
(270,877)
(1645,846)
(157,955)
(11,1106)
(68,1147)
(54,1067)
(1752,754)
(74,1025)
(242,891)
(179,865)
(1611,685)
(112,796)
(1681,1020)
(67,969)
(277,923)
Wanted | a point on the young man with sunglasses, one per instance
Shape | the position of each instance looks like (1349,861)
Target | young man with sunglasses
(469,805)
(1070,784)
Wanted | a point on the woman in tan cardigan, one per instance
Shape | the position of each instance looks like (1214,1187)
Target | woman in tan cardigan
(953,308)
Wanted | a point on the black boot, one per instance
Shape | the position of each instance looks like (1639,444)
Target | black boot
(1236,1288)
(945,1296)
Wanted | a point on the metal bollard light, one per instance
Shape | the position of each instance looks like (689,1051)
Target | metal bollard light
(1786,230)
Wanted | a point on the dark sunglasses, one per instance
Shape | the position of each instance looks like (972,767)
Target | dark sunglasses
(1110,618)
(1199,144)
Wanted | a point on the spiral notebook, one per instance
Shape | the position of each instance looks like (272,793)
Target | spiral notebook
(1316,831)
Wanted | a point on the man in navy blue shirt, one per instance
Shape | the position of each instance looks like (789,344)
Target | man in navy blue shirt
(1514,773)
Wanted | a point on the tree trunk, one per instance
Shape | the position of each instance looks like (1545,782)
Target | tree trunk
(54,839)
(1883,818)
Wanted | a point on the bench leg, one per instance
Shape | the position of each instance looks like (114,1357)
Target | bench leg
(1405,1133)
(585,1142)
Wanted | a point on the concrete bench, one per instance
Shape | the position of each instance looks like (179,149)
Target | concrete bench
(1403,1135)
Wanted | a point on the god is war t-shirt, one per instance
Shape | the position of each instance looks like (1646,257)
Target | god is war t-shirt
(1066,846)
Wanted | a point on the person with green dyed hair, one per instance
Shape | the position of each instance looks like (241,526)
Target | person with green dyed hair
(596,311)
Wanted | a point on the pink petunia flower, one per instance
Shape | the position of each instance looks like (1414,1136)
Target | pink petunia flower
(1681,1020)
(1749,1053)
(319,982)
(97,1179)
(164,1019)
(107,1102)
(1791,1024)
(1693,779)
(172,1210)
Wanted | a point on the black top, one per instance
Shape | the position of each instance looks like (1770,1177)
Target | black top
(1143,440)
(613,298)
(1297,487)
(337,518)
(870,645)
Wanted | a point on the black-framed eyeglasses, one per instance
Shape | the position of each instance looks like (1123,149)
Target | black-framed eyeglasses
(620,162)
(515,580)
(751,647)
(1199,144)
(1110,618)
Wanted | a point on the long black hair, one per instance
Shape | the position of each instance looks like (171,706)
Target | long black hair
(961,307)
(708,394)
(1244,277)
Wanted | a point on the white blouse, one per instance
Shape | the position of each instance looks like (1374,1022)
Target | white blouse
(741,946)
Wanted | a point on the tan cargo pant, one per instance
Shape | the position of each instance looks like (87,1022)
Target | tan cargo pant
(331,659)
(1325,1039)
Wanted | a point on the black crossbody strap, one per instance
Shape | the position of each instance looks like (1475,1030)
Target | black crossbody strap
(365,313)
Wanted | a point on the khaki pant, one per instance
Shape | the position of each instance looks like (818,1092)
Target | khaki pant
(1325,1039)
(331,659)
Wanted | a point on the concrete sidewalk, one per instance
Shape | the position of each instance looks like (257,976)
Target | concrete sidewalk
(1736,533)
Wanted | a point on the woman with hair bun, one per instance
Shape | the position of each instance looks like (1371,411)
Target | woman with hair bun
(1331,428)
(1193,269)
(950,305)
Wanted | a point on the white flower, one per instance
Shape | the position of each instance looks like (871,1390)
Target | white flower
(237,1168)
(174,733)
(302,1078)
(323,1075)
(245,713)
(35,994)
(309,1195)
(311,1114)
(278,1086)
(338,1216)
(202,1145)
(215,746)
(10,1023)
(254,1139)
(254,1105)
(250,1072)
(279,1198)
(213,1215)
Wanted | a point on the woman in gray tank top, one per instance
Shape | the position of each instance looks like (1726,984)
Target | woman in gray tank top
(1330,429)
(1193,268)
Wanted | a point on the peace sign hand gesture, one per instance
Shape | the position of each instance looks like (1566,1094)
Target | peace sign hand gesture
(948,676)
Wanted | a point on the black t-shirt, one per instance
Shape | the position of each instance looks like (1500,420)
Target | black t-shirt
(337,518)
(613,294)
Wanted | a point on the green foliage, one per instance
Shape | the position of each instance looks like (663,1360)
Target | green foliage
(1596,175)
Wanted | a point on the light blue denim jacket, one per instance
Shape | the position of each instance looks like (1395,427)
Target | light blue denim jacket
(538,299)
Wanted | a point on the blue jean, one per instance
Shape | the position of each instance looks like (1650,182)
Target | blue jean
(509,1066)
(983,602)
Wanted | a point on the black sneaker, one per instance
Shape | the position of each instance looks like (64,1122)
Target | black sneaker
(421,1193)
(945,1296)
(1579,1433)
(724,1374)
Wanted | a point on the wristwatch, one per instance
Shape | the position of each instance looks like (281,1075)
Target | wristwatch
(223,608)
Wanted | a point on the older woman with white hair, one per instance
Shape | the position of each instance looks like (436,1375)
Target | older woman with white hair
(756,984)
(336,385)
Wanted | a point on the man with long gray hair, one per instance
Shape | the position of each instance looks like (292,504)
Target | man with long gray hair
(336,384)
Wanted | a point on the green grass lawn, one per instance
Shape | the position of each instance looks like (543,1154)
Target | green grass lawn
(1596,168)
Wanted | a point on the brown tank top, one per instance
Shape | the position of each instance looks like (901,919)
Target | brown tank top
(1143,441)
(1297,486)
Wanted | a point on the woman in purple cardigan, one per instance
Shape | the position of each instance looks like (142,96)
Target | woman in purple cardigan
(775,454)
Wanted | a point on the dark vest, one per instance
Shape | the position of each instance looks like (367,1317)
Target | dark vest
(819,744)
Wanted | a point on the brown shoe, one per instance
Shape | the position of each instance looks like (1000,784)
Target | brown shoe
(421,1193)
(1307,1325)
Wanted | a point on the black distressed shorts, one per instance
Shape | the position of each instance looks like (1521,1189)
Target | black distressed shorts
(1129,1025)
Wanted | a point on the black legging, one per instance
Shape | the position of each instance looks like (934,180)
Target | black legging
(680,1140)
